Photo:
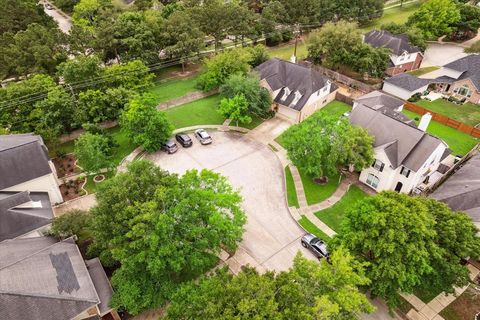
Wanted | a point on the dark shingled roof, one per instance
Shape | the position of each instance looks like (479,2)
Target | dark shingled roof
(461,191)
(280,74)
(385,104)
(384,39)
(22,212)
(49,281)
(23,157)
(408,82)
(470,66)
(404,144)
(101,283)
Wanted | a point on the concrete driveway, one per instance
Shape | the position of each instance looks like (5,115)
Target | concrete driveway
(272,237)
(441,54)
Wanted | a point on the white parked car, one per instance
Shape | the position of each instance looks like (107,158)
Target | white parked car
(203,136)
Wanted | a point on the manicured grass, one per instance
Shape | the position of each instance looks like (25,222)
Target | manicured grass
(398,15)
(91,186)
(316,193)
(203,111)
(421,71)
(291,192)
(460,143)
(285,51)
(280,140)
(124,148)
(256,121)
(468,113)
(336,108)
(466,306)
(334,216)
(426,295)
(313,229)
(168,90)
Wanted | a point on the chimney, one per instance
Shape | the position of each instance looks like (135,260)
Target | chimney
(425,121)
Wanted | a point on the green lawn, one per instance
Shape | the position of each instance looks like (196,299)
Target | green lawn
(202,111)
(256,121)
(313,229)
(168,90)
(337,108)
(316,193)
(397,14)
(91,186)
(291,192)
(460,143)
(421,71)
(334,215)
(468,113)
(125,147)
(285,51)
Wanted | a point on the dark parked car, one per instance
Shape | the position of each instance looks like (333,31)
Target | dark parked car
(184,140)
(203,136)
(170,146)
(316,245)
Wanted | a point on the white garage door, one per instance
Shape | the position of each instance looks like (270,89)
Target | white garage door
(288,114)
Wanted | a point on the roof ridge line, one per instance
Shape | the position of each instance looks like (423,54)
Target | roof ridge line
(34,253)
(18,146)
(47,296)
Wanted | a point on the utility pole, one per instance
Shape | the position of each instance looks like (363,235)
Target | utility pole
(297,35)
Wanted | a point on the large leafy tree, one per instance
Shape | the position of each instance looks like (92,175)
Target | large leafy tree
(16,15)
(181,37)
(409,241)
(80,70)
(308,290)
(258,99)
(144,125)
(415,35)
(220,67)
(361,11)
(93,152)
(435,17)
(322,142)
(162,230)
(369,60)
(469,19)
(235,109)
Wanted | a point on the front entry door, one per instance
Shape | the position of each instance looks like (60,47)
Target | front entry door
(399,186)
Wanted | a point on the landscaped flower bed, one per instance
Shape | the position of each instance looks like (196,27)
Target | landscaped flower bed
(65,165)
(72,189)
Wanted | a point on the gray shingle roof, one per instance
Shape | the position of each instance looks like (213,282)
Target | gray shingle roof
(404,144)
(408,82)
(378,100)
(48,282)
(22,158)
(18,216)
(280,74)
(384,39)
(470,66)
(461,191)
(101,283)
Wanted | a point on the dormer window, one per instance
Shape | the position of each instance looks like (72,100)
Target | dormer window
(286,93)
(298,95)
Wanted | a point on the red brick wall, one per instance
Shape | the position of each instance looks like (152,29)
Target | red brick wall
(405,67)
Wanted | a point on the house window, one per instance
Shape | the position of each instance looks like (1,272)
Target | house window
(405,172)
(372,180)
(379,165)
(463,91)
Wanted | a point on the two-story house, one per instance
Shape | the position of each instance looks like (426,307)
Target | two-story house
(297,91)
(404,56)
(25,166)
(405,156)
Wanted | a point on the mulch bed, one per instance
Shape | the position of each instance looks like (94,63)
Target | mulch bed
(321,180)
(72,189)
(465,307)
(65,166)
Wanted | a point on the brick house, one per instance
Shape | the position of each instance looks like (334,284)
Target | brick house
(404,56)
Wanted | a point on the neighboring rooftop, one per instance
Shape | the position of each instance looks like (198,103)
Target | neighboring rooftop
(461,191)
(44,279)
(281,74)
(23,212)
(408,82)
(23,157)
(404,144)
(470,66)
(384,39)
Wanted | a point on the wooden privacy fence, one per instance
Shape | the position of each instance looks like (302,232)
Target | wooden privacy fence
(343,98)
(365,88)
(460,126)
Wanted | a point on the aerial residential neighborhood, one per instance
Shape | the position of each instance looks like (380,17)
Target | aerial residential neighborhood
(211,159)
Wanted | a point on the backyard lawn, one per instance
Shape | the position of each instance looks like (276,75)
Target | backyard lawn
(313,229)
(168,90)
(316,193)
(285,51)
(460,143)
(203,111)
(397,14)
(91,186)
(334,215)
(337,108)
(468,113)
(421,71)
(291,192)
